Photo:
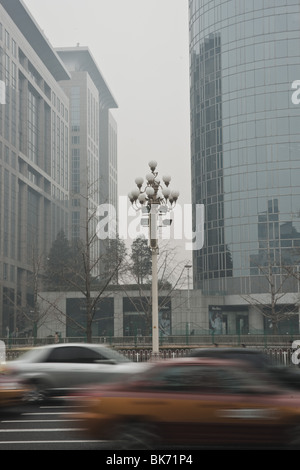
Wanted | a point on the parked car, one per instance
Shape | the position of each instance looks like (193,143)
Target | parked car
(193,402)
(57,369)
(288,376)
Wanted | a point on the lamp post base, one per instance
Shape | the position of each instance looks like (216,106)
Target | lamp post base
(155,356)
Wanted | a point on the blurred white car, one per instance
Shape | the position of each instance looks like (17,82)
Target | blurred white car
(60,368)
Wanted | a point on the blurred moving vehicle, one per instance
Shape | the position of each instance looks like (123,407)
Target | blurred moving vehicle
(59,368)
(193,402)
(288,376)
(255,357)
(12,391)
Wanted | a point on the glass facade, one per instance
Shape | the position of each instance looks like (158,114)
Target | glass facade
(245,139)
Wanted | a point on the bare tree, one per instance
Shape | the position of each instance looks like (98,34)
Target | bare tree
(29,316)
(271,304)
(170,277)
(84,272)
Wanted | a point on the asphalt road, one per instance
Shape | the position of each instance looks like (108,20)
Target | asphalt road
(50,426)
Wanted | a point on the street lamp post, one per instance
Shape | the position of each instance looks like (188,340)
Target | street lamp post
(188,266)
(156,198)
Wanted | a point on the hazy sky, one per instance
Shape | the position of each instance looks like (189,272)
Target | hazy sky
(141,48)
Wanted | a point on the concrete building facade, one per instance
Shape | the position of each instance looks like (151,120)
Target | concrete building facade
(58,148)
(34,157)
(93,134)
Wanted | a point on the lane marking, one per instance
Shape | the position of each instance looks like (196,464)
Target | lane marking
(50,442)
(43,414)
(41,421)
(43,430)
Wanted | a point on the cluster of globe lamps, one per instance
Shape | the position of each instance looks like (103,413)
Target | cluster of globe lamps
(156,198)
(153,193)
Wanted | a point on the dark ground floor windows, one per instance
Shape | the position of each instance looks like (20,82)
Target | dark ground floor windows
(76,318)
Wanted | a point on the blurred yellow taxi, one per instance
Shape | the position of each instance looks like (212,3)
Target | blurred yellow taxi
(12,391)
(193,402)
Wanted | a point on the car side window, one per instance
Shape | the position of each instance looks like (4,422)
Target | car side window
(198,379)
(86,355)
(192,379)
(59,355)
(74,354)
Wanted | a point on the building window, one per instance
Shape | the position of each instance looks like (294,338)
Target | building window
(32,126)
(7,39)
(14,48)
(75,109)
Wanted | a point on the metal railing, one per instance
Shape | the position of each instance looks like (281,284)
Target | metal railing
(278,348)
(164,341)
(277,356)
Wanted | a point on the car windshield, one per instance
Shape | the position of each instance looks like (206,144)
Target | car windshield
(33,355)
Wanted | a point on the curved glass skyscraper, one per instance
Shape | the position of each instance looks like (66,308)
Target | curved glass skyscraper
(245,137)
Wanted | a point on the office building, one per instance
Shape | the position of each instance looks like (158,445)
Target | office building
(245,141)
(34,158)
(93,142)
